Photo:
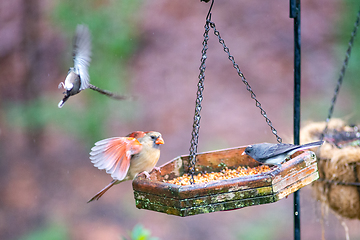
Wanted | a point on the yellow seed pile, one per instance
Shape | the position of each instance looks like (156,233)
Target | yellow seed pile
(226,173)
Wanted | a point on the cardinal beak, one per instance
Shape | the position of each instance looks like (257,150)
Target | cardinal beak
(159,140)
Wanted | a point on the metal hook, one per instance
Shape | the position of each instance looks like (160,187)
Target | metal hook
(208,16)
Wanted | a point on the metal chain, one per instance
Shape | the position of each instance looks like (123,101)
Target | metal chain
(342,73)
(196,125)
(252,94)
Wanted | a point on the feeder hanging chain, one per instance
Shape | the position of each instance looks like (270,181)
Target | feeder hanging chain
(199,98)
(342,72)
(252,94)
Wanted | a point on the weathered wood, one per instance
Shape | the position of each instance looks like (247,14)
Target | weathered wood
(181,192)
(224,206)
(297,185)
(294,177)
(198,209)
(154,194)
(204,200)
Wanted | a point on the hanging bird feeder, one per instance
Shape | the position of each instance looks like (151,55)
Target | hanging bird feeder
(161,192)
(339,158)
(339,166)
(155,193)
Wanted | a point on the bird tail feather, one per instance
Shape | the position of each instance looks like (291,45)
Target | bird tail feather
(108,93)
(312,144)
(103,191)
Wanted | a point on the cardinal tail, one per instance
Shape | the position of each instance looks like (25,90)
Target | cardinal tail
(103,191)
(107,93)
(61,103)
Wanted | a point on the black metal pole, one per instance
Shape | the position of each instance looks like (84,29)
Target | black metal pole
(295,13)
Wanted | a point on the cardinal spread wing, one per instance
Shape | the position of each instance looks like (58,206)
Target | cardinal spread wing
(114,154)
(82,54)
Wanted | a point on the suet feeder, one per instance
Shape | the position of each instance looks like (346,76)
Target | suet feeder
(339,166)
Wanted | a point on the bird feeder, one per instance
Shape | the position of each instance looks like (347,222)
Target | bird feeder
(157,194)
(338,161)
(339,158)
(154,193)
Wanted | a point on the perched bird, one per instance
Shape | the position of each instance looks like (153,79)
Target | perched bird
(78,78)
(268,153)
(125,157)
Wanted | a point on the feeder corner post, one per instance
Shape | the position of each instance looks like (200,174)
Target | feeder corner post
(295,14)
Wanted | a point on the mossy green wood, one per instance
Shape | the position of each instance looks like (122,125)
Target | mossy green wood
(223,206)
(155,194)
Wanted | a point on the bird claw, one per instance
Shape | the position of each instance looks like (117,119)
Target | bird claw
(147,175)
(157,169)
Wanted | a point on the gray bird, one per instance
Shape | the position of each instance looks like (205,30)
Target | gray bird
(269,153)
(78,76)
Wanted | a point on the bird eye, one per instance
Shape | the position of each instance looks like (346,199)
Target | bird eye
(153,137)
(248,149)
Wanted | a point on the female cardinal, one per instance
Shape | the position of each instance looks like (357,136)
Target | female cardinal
(125,157)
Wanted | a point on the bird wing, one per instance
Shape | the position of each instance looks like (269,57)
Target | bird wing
(276,149)
(114,154)
(290,149)
(82,54)
(273,150)
(137,134)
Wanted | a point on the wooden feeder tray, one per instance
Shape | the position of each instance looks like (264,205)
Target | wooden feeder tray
(154,194)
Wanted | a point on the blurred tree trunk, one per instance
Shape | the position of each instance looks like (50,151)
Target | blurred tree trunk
(31,82)
(28,61)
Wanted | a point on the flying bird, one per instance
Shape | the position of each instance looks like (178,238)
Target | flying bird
(268,153)
(125,157)
(78,78)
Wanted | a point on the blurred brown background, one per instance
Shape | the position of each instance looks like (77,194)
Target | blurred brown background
(152,50)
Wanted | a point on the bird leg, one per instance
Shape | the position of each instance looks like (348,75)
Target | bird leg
(157,169)
(278,165)
(271,174)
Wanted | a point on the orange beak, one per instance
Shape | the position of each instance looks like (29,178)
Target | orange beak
(159,140)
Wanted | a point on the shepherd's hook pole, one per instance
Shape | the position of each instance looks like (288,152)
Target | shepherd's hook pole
(295,13)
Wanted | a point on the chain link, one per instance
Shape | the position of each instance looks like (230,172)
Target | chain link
(342,73)
(248,88)
(196,125)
